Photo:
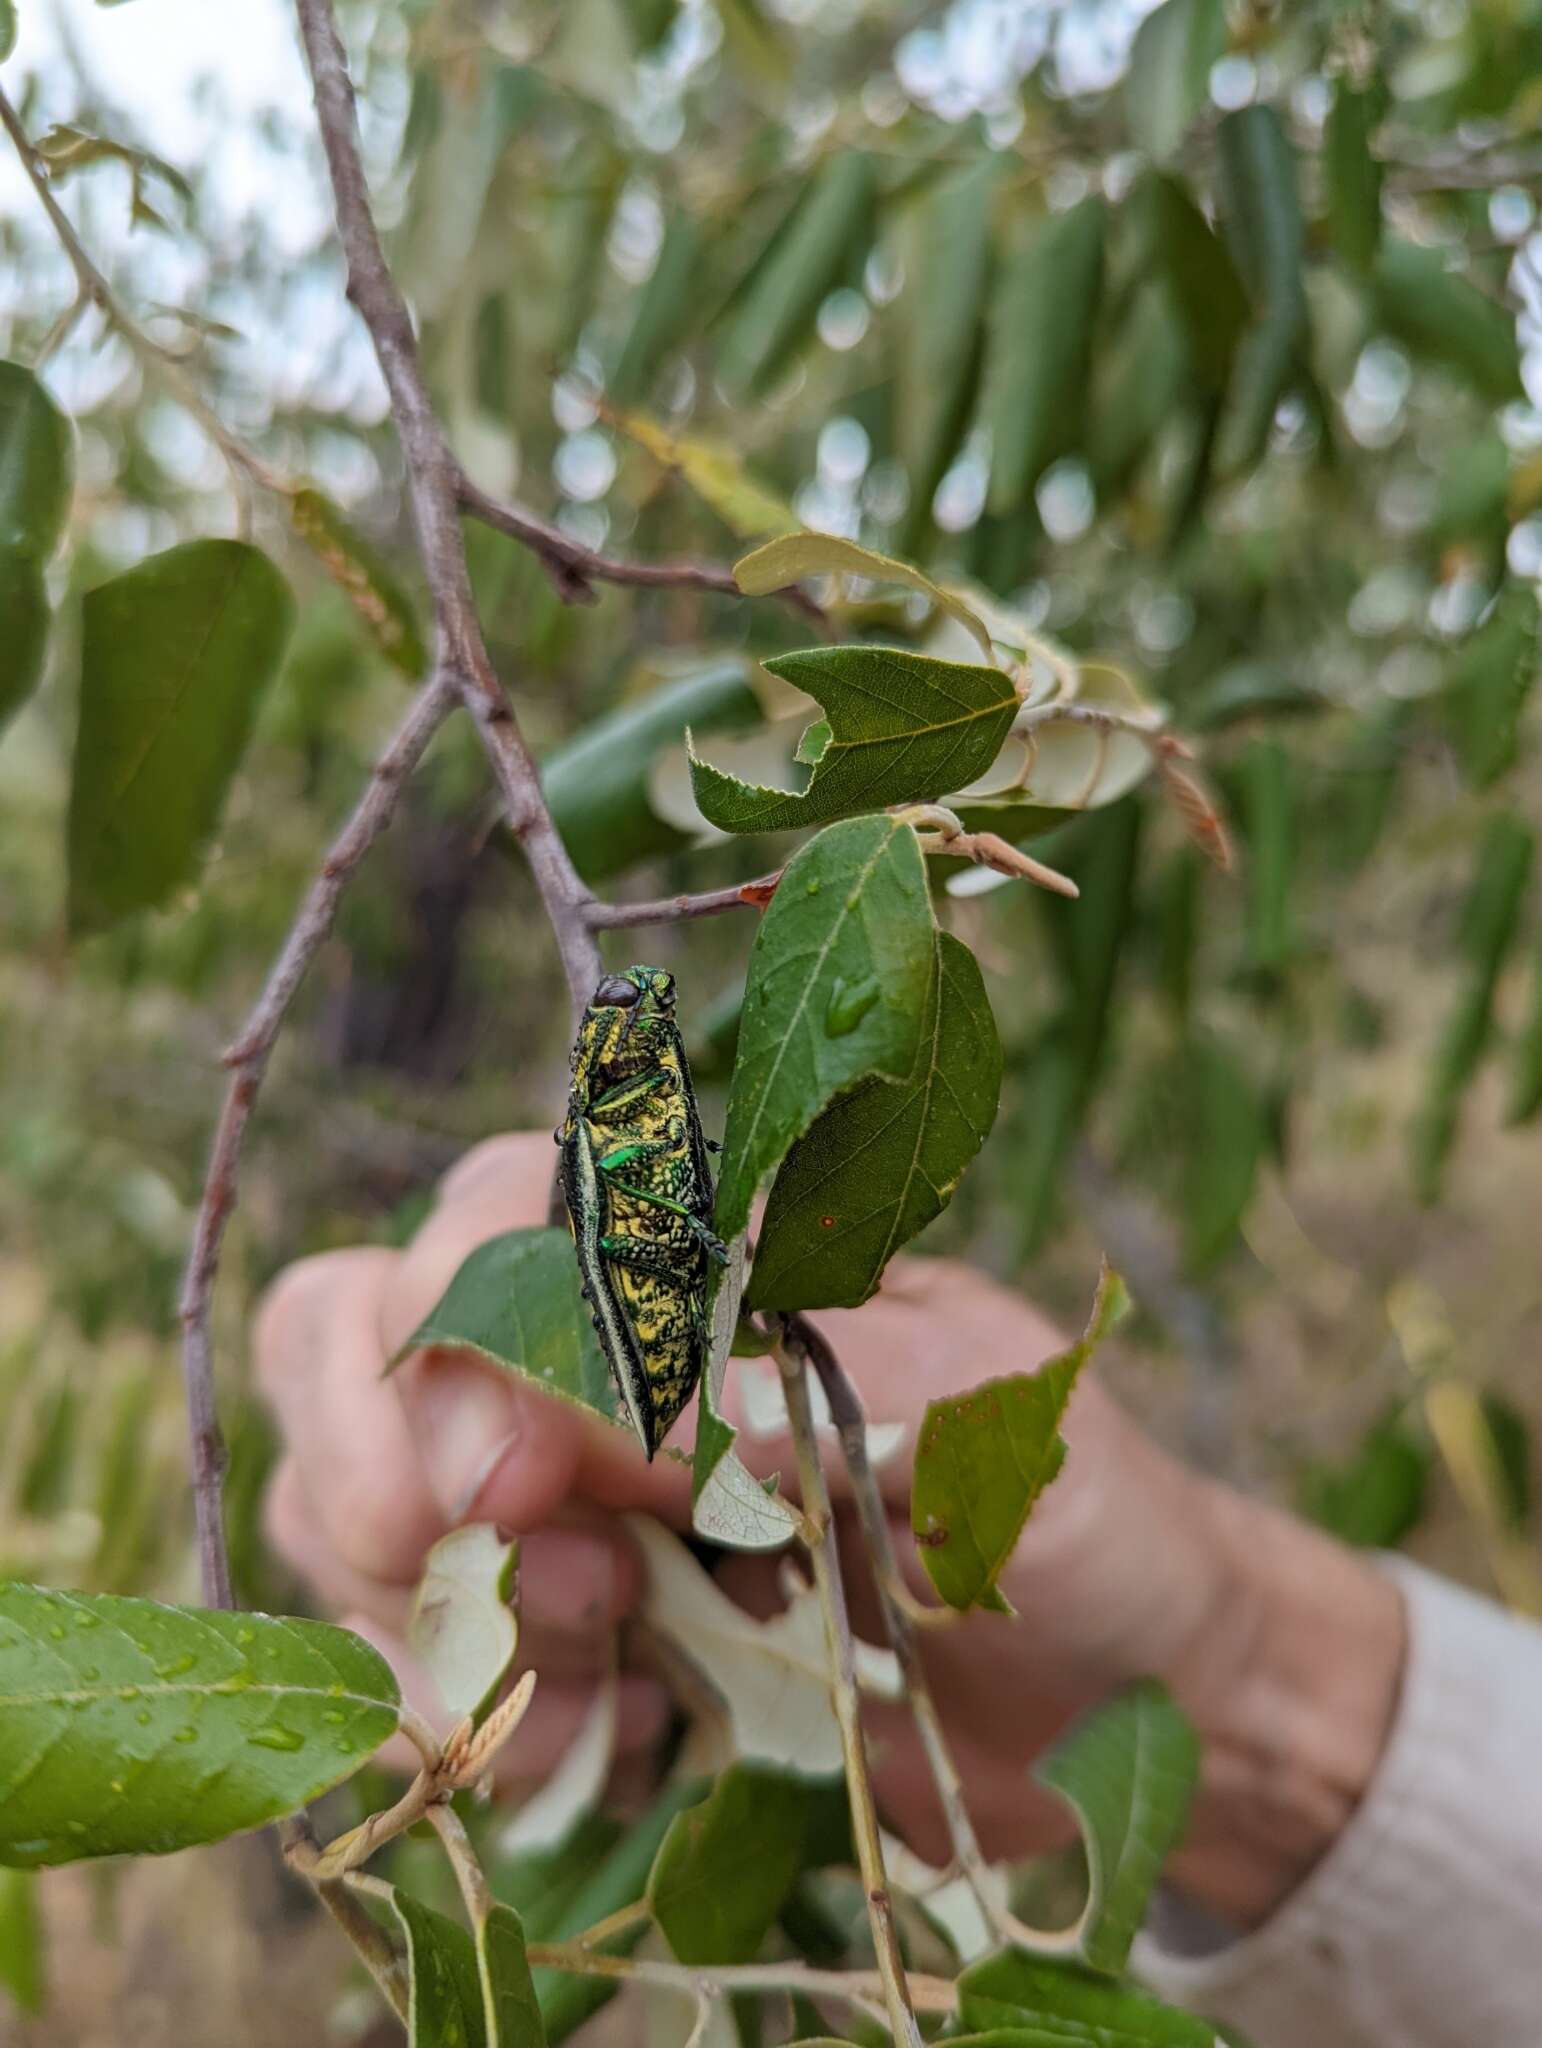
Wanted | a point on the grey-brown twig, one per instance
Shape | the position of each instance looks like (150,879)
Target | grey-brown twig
(615,917)
(575,569)
(247,1060)
(850,1419)
(931,1994)
(792,1362)
(433,477)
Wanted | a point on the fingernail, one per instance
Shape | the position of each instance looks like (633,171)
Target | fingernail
(466,1423)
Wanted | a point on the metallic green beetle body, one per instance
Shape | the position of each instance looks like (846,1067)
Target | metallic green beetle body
(639,1194)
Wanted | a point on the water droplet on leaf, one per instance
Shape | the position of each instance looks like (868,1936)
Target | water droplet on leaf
(849,1005)
(185,1735)
(276,1737)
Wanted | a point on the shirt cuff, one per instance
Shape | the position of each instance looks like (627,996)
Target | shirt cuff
(1420,1924)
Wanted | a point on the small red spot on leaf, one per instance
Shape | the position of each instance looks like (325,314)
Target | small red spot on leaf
(827,1222)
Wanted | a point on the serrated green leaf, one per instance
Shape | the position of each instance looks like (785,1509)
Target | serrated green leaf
(24,608)
(1437,314)
(1261,216)
(176,654)
(444,1991)
(836,993)
(983,1458)
(903,728)
(1375,1497)
(462,1627)
(23,1969)
(364,578)
(883,1161)
(37,465)
(666,306)
(725,1866)
(597,783)
(1128,1770)
(1039,355)
(516,1299)
(824,241)
(1491,678)
(1352,173)
(796,555)
(130,1728)
(1492,913)
(509,2002)
(1175,49)
(1017,2001)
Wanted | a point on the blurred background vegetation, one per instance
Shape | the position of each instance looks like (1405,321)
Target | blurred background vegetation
(1209,336)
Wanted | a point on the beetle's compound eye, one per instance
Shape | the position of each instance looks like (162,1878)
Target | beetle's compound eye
(617,992)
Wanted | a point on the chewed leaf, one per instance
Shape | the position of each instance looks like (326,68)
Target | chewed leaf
(899,728)
(1128,1769)
(984,1458)
(132,1728)
(796,555)
(462,1625)
(729,1505)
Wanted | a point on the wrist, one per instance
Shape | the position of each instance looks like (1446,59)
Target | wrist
(1292,1684)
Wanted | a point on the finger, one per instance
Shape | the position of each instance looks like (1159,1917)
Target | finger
(514,1160)
(575,1584)
(318,1362)
(556,1712)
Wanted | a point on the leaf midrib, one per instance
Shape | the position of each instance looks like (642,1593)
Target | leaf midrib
(222,1688)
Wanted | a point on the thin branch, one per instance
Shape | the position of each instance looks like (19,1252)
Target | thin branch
(791,1358)
(248,1059)
(931,1994)
(850,1419)
(451,1830)
(575,569)
(94,289)
(615,917)
(434,484)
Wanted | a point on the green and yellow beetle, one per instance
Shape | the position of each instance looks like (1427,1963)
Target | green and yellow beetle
(638,1188)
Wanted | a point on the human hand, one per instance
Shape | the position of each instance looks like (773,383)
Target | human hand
(1283,1647)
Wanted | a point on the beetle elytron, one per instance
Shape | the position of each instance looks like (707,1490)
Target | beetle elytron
(639,1194)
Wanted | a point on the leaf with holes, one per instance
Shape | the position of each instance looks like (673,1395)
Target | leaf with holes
(516,1300)
(899,728)
(836,993)
(175,657)
(883,1161)
(130,1728)
(983,1459)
